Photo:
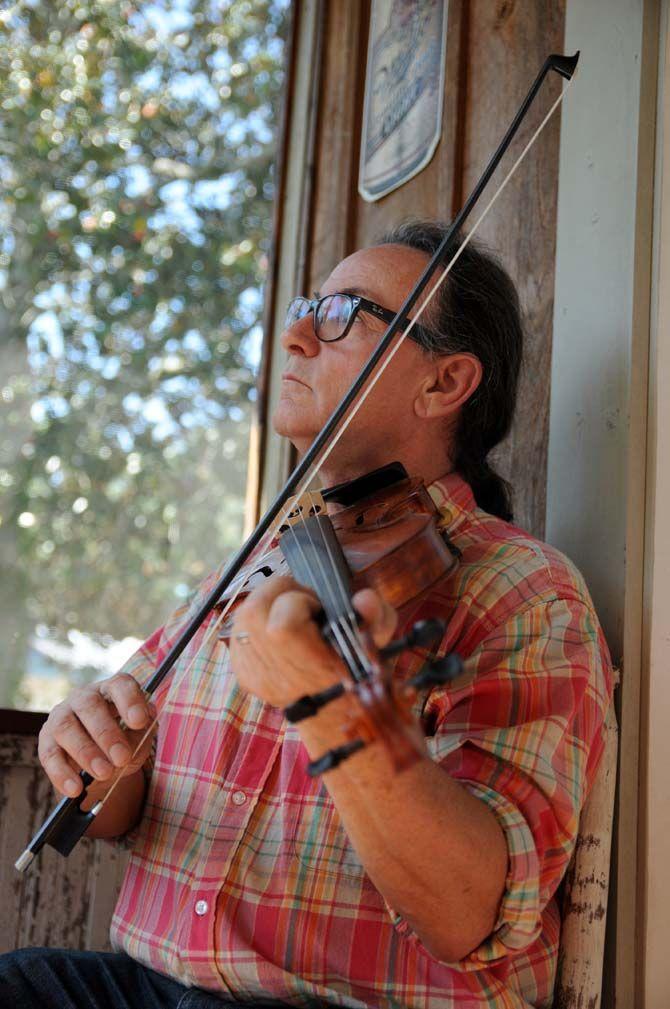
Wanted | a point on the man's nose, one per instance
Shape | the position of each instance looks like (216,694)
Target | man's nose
(300,338)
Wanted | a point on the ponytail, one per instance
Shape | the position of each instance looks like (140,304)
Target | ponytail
(475,311)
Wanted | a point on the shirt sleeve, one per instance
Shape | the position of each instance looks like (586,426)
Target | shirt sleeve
(146,660)
(521,729)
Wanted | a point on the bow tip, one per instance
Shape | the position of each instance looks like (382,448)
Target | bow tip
(564,65)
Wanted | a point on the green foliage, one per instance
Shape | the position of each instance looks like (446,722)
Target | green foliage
(136,149)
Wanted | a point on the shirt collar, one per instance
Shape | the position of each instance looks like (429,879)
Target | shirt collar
(453,497)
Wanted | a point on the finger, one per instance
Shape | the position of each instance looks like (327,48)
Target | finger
(378,616)
(97,718)
(292,628)
(254,610)
(130,700)
(72,737)
(60,769)
(293,610)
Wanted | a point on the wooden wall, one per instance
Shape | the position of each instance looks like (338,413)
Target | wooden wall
(494,51)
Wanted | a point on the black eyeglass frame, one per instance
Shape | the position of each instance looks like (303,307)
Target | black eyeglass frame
(358,304)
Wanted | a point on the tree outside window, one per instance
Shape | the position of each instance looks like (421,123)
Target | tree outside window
(136,152)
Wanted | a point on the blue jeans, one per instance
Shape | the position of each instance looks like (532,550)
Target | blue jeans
(74,979)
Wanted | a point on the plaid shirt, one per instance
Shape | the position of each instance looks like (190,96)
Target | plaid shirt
(241,877)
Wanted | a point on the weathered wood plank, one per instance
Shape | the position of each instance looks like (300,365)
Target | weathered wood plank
(105,882)
(508,42)
(336,151)
(58,902)
(342,220)
(290,243)
(585,891)
(435,191)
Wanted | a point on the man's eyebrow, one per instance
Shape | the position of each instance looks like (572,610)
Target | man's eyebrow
(357,291)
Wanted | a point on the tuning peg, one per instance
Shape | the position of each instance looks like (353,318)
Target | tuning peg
(333,757)
(436,673)
(422,635)
(309,704)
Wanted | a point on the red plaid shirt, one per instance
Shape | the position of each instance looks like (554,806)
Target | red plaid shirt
(241,878)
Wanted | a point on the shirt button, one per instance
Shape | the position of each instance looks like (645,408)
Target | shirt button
(201,907)
(239,798)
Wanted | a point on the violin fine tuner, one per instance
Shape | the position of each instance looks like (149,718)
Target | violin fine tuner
(433,674)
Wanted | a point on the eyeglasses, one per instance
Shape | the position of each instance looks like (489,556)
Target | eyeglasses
(334,315)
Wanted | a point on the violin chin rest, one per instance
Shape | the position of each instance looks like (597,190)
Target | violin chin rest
(353,491)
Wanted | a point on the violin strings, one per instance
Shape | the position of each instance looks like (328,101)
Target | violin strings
(348,618)
(345,645)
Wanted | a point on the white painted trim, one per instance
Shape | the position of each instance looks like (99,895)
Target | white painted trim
(586,473)
(656,637)
(598,415)
(295,217)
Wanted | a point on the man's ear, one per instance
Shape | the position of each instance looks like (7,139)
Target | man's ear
(452,381)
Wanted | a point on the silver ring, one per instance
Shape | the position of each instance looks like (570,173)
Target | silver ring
(243,638)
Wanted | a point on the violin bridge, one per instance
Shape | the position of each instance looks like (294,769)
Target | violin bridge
(303,506)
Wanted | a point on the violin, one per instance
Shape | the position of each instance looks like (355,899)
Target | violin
(385,537)
(378,698)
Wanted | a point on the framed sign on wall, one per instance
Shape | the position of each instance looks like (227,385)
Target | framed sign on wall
(404,88)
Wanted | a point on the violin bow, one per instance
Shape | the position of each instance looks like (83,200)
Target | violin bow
(67,823)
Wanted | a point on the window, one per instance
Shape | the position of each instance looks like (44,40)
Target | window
(136,153)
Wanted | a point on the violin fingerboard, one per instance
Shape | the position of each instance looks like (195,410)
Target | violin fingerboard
(316,561)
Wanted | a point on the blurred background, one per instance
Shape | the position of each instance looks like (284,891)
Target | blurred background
(136,185)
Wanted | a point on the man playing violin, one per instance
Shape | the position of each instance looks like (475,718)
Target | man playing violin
(432,888)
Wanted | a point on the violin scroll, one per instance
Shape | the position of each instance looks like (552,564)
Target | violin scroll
(434,673)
